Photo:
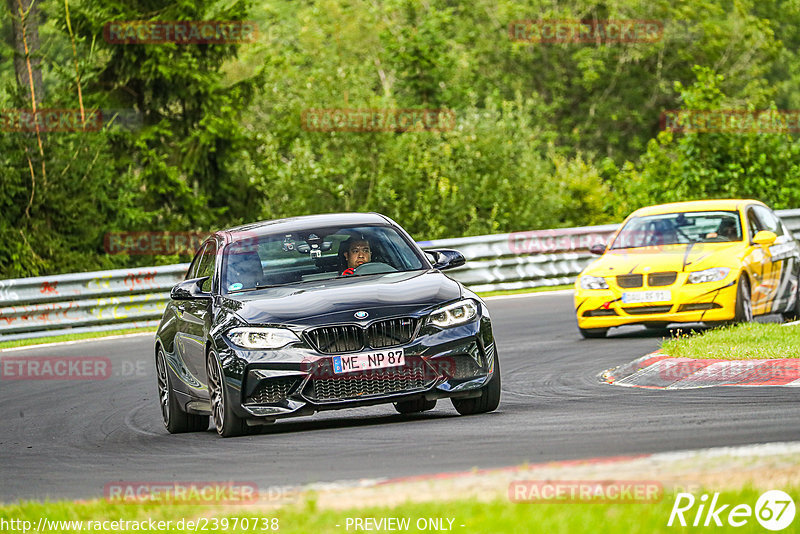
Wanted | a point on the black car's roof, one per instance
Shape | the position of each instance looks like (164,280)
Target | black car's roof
(295,224)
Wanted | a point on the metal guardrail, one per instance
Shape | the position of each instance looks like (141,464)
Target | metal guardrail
(132,298)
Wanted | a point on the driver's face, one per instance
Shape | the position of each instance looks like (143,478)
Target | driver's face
(358,253)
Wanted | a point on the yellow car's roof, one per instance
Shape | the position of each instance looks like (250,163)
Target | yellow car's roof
(695,205)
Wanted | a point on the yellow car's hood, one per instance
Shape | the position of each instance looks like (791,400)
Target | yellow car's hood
(667,258)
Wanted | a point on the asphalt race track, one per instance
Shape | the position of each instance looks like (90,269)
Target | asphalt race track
(68,439)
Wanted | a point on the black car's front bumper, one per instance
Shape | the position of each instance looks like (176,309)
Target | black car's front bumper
(299,380)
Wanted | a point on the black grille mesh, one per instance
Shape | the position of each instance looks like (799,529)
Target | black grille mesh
(272,390)
(376,382)
(629,280)
(661,279)
(642,310)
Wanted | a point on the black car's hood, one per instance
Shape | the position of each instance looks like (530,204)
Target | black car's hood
(336,300)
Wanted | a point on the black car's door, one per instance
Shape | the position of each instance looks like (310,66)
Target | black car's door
(195,318)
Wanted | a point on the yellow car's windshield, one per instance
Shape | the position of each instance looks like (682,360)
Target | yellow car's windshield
(679,228)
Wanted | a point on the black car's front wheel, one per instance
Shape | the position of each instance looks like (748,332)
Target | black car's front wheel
(175,419)
(488,400)
(227,423)
(793,313)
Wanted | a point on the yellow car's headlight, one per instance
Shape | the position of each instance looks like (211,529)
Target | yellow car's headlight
(593,282)
(714,274)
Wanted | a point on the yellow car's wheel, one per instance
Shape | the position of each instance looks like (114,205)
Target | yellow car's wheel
(590,333)
(744,302)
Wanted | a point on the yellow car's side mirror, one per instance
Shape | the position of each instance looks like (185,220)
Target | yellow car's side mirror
(765,237)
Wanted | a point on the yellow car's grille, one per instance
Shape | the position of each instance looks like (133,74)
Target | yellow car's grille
(629,280)
(661,279)
(644,310)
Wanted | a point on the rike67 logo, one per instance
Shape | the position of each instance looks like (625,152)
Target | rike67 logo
(774,510)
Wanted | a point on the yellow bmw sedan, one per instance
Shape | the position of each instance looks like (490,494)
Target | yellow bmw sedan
(710,261)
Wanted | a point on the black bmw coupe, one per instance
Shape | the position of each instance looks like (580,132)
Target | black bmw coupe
(289,317)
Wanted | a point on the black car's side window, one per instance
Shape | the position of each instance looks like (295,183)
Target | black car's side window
(206,265)
(192,272)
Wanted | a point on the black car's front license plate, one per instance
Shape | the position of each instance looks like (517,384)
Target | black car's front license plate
(368,360)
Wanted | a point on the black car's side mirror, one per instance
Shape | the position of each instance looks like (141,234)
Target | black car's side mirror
(598,249)
(445,258)
(190,290)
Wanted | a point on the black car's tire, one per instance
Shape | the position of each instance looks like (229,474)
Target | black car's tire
(175,419)
(744,303)
(227,423)
(489,399)
(593,333)
(415,406)
(793,314)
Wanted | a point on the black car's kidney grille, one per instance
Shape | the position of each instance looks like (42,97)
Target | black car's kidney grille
(391,332)
(629,280)
(350,338)
(272,390)
(661,279)
(336,339)
(369,383)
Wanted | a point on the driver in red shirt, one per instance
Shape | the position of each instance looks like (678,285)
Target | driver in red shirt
(356,253)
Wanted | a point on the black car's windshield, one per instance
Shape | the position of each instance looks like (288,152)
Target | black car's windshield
(679,228)
(315,254)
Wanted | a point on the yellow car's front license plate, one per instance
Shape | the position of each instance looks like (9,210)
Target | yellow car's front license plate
(641,297)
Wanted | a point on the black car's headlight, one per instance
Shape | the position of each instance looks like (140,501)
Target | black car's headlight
(454,314)
(261,337)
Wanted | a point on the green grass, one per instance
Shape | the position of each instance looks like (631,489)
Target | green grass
(72,337)
(526,290)
(498,516)
(749,341)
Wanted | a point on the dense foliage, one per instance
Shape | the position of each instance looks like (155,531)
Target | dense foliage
(546,134)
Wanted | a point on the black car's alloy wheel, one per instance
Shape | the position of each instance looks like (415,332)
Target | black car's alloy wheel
(489,399)
(793,313)
(175,419)
(227,423)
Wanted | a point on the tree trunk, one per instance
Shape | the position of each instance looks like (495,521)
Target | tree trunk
(27,60)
